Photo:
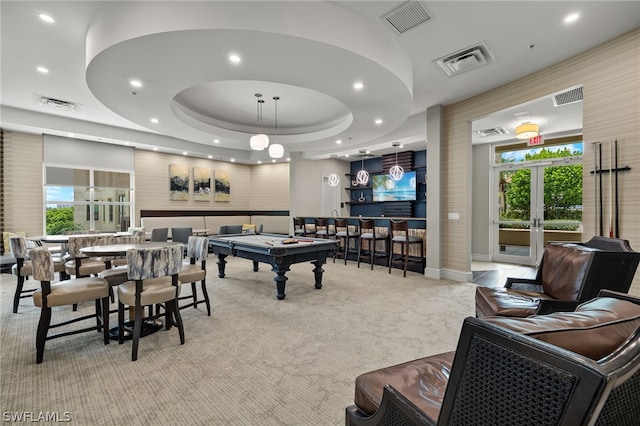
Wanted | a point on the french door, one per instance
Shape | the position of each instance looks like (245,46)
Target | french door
(537,202)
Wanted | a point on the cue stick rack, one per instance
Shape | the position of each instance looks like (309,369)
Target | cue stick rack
(599,171)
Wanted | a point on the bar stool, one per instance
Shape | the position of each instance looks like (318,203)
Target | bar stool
(368,233)
(322,228)
(399,234)
(344,234)
(300,228)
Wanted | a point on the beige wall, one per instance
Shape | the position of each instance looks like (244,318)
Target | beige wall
(23,203)
(610,75)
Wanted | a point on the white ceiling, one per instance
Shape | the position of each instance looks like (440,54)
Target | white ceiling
(307,53)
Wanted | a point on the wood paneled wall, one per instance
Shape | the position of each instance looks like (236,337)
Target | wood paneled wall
(610,75)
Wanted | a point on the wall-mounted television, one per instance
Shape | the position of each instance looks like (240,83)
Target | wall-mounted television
(387,189)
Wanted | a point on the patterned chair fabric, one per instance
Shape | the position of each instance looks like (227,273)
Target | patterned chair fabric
(80,265)
(160,267)
(197,251)
(24,268)
(67,292)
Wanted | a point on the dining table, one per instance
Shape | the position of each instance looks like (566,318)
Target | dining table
(148,327)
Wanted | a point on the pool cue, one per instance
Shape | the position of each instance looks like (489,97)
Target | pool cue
(601,233)
(617,234)
(610,189)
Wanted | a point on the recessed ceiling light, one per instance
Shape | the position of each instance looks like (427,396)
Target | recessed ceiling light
(273,161)
(216,141)
(259,162)
(346,155)
(135,83)
(155,148)
(571,18)
(71,135)
(209,156)
(288,159)
(368,152)
(235,59)
(154,120)
(184,152)
(43,70)
(339,141)
(46,18)
(358,85)
(233,160)
(378,121)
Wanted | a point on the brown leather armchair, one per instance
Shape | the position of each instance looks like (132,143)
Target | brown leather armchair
(569,274)
(565,368)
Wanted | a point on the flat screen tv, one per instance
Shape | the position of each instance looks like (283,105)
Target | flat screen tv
(386,189)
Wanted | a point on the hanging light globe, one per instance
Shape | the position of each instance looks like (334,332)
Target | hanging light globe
(276,150)
(259,142)
(362,177)
(396,172)
(333,179)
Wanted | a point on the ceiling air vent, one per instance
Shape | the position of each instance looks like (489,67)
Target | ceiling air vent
(491,132)
(407,16)
(568,97)
(55,103)
(466,59)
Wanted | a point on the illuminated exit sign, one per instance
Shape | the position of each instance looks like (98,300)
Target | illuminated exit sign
(535,141)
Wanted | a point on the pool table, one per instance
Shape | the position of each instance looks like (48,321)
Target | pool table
(279,251)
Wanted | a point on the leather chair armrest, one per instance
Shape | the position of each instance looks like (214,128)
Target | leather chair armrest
(523,284)
(550,306)
(394,407)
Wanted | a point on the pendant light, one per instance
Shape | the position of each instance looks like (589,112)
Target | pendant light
(276,150)
(333,179)
(362,177)
(396,172)
(260,141)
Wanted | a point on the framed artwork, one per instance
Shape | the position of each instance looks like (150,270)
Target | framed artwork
(178,182)
(222,186)
(201,184)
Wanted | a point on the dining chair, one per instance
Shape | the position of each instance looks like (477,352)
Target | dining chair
(344,234)
(153,275)
(79,264)
(159,234)
(181,235)
(369,234)
(197,251)
(399,234)
(323,229)
(23,269)
(63,293)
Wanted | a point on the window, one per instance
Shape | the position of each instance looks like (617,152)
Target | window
(75,199)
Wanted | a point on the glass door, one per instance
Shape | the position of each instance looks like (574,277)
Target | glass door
(538,200)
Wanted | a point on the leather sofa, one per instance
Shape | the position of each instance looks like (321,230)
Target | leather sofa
(569,274)
(507,371)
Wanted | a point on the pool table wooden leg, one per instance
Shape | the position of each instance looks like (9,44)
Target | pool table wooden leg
(317,271)
(221,264)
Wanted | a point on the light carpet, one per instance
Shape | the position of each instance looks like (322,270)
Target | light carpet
(255,361)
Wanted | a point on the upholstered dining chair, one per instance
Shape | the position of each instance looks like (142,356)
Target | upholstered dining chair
(67,292)
(196,270)
(153,275)
(79,264)
(159,234)
(22,269)
(369,234)
(344,235)
(181,235)
(399,234)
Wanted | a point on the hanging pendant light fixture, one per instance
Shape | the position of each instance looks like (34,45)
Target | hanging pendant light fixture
(260,141)
(333,179)
(362,177)
(396,172)
(276,150)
